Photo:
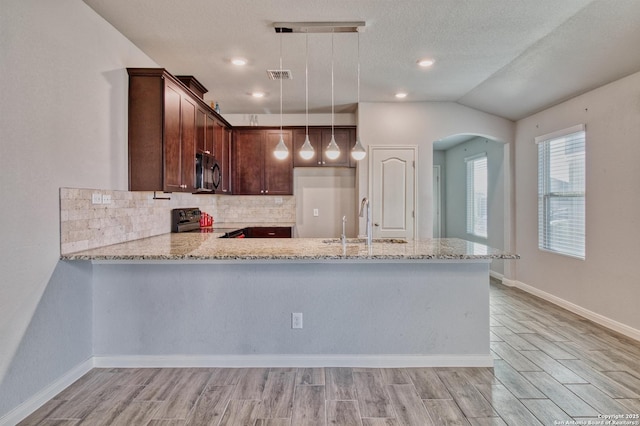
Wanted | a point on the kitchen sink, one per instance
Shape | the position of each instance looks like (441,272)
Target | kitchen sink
(363,241)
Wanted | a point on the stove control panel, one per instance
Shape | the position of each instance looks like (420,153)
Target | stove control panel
(185,219)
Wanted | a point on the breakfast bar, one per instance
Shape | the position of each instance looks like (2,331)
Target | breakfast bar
(196,300)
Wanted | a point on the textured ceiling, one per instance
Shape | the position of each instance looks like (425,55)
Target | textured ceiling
(506,57)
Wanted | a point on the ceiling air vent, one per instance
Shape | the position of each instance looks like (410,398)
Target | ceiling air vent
(279,74)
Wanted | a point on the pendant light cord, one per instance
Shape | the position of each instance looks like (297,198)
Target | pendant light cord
(358,101)
(281,84)
(332,111)
(358,67)
(306,78)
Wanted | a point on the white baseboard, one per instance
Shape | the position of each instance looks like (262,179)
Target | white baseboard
(590,315)
(302,361)
(496,275)
(509,283)
(39,399)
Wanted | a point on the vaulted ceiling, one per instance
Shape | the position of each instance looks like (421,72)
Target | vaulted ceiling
(506,57)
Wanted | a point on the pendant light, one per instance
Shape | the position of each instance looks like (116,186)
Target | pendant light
(281,152)
(333,151)
(307,151)
(358,152)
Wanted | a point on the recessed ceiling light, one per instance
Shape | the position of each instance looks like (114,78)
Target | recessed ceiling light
(401,95)
(258,94)
(239,61)
(425,62)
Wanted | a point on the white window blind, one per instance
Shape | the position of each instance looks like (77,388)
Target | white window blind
(477,195)
(561,192)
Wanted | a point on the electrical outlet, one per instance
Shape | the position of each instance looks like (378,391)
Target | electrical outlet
(278,200)
(316,213)
(106,198)
(296,320)
(96,198)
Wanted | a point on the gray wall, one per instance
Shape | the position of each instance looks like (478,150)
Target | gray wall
(456,192)
(58,337)
(245,308)
(606,282)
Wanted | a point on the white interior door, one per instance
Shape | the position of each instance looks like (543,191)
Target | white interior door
(393,192)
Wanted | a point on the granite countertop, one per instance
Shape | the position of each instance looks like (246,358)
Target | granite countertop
(207,246)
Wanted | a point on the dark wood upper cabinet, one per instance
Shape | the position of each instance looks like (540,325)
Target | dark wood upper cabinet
(168,124)
(188,144)
(320,138)
(248,164)
(205,124)
(172,141)
(223,154)
(256,170)
(278,174)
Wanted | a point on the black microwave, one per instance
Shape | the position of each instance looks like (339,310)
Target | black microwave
(208,174)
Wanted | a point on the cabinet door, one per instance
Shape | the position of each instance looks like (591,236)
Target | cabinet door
(172,141)
(201,118)
(188,139)
(298,140)
(343,139)
(223,154)
(248,164)
(278,174)
(218,136)
(209,145)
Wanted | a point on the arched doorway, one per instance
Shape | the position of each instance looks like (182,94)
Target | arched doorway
(472,192)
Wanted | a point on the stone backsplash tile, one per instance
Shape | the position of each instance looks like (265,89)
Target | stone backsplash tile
(134,215)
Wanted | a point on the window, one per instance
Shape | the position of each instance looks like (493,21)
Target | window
(561,192)
(477,195)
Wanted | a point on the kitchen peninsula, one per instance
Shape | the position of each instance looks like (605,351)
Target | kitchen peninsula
(192,299)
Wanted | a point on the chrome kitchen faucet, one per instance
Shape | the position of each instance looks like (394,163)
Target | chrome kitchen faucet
(365,205)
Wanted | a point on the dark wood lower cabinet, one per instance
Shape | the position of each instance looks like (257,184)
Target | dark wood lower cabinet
(268,232)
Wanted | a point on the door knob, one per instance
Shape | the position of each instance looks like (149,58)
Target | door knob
(376,224)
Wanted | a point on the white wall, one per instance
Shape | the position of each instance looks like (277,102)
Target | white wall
(421,124)
(607,282)
(63,123)
(456,193)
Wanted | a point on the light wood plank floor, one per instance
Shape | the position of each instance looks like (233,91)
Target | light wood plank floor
(550,366)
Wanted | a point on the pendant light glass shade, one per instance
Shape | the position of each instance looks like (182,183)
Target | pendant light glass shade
(307,152)
(358,152)
(333,151)
(281,152)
